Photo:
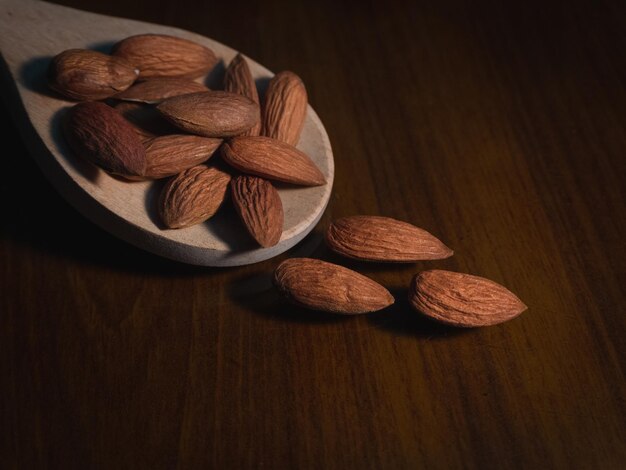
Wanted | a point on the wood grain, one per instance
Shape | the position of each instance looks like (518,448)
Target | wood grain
(496,126)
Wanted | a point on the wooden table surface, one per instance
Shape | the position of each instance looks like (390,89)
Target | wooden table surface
(500,127)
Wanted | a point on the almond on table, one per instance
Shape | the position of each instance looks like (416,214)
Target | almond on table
(463,300)
(376,238)
(328,287)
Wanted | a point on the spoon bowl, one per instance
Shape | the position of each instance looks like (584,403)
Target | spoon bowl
(32,33)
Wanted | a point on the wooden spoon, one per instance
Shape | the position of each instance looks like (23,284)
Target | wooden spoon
(32,33)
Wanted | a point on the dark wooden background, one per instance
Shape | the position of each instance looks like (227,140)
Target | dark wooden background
(498,126)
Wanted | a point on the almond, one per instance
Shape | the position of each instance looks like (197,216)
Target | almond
(284,108)
(238,79)
(147,121)
(375,238)
(462,299)
(85,75)
(170,154)
(193,196)
(100,134)
(156,90)
(319,285)
(271,159)
(160,55)
(258,204)
(211,113)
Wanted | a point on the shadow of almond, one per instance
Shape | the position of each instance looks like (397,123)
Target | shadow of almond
(261,86)
(151,202)
(226,226)
(400,318)
(256,293)
(33,75)
(106,47)
(215,78)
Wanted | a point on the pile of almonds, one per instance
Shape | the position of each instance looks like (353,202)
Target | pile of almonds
(451,298)
(158,121)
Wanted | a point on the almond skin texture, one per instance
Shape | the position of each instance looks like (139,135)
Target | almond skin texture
(258,204)
(319,285)
(160,55)
(238,79)
(100,134)
(284,108)
(211,113)
(462,299)
(85,75)
(170,154)
(193,196)
(375,238)
(156,90)
(271,159)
